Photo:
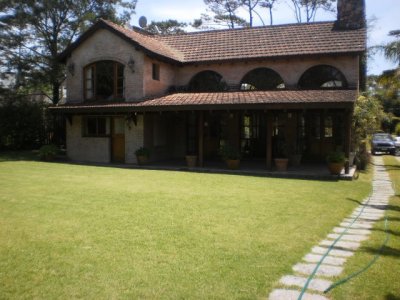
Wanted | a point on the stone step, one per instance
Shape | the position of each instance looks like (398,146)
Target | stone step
(323,270)
(329,260)
(351,231)
(356,225)
(282,294)
(333,252)
(319,285)
(341,244)
(348,237)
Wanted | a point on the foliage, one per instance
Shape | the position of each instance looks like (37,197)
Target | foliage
(227,151)
(100,232)
(142,151)
(335,157)
(48,151)
(22,122)
(368,117)
(224,13)
(34,33)
(306,10)
(166,27)
(397,129)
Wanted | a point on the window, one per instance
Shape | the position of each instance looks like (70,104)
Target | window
(262,79)
(96,126)
(322,77)
(104,80)
(156,72)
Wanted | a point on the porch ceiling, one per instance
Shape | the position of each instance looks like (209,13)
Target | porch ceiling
(295,99)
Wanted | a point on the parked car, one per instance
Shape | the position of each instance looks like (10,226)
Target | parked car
(383,142)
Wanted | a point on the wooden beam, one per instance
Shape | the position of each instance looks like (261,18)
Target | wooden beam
(269,121)
(201,138)
(347,139)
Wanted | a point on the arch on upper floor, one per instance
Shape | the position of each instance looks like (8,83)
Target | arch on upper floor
(207,81)
(103,80)
(322,77)
(262,79)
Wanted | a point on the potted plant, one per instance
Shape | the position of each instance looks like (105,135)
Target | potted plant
(142,155)
(231,156)
(336,160)
(191,160)
(281,160)
(48,152)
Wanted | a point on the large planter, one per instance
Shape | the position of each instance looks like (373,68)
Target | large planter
(335,168)
(191,161)
(351,158)
(232,164)
(142,159)
(281,164)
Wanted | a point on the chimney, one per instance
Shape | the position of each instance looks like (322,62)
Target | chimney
(350,14)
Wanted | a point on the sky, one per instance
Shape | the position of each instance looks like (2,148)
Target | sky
(384,13)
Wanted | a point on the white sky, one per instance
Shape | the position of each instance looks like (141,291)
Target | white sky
(385,12)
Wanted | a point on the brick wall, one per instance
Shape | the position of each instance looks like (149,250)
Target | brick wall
(134,139)
(86,149)
(104,45)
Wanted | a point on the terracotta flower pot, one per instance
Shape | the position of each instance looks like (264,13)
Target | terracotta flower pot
(281,164)
(232,164)
(142,159)
(191,161)
(335,168)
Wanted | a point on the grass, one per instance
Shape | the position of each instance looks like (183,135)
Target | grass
(71,231)
(382,280)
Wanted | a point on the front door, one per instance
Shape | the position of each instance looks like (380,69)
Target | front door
(118,140)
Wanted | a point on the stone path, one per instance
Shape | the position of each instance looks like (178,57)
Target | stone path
(353,230)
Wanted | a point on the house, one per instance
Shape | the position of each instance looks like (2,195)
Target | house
(262,90)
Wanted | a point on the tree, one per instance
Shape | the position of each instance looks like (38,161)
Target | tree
(269,4)
(250,6)
(392,50)
(35,32)
(310,8)
(224,13)
(166,27)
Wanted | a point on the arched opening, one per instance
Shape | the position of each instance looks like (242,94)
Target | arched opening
(322,77)
(262,79)
(207,81)
(104,80)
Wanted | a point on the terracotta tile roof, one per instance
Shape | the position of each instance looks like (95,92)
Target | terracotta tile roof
(270,41)
(198,100)
(235,44)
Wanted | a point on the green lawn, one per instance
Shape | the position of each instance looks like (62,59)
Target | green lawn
(70,231)
(382,280)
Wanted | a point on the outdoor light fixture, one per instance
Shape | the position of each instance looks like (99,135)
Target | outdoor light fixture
(131,65)
(71,68)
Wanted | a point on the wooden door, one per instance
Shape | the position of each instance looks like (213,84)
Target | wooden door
(118,140)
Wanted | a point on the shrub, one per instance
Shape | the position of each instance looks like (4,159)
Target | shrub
(229,152)
(142,151)
(397,129)
(336,157)
(48,152)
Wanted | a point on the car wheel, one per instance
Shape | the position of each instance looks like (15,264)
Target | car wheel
(373,152)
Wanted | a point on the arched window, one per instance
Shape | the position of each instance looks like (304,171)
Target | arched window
(104,80)
(262,79)
(207,81)
(322,77)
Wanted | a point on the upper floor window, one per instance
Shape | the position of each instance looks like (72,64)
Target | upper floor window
(207,81)
(322,77)
(262,79)
(104,80)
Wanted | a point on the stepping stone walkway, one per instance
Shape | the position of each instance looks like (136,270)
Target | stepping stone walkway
(352,231)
